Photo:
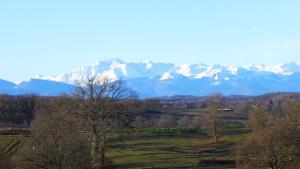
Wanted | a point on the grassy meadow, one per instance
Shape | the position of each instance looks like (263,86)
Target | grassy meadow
(166,148)
(173,149)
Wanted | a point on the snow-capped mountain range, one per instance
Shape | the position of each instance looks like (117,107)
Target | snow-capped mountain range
(150,79)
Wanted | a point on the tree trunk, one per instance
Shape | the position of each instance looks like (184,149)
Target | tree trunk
(102,152)
(95,147)
(102,156)
(215,130)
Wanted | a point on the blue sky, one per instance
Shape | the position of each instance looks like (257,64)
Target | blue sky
(49,37)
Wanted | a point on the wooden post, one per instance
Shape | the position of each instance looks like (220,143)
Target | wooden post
(215,131)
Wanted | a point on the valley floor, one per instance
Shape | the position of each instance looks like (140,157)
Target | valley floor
(167,150)
(175,150)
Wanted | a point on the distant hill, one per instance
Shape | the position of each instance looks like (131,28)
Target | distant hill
(36,86)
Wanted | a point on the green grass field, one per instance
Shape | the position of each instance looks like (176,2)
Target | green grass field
(172,150)
(160,149)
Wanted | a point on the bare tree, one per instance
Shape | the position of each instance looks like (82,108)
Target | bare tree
(4,108)
(102,112)
(196,122)
(258,116)
(276,146)
(216,103)
(166,121)
(56,141)
(244,107)
(185,122)
(17,109)
(26,106)
(292,111)
(139,122)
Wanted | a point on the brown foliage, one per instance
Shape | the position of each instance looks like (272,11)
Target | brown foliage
(275,146)
(166,121)
(56,141)
(258,116)
(103,110)
(17,109)
(292,111)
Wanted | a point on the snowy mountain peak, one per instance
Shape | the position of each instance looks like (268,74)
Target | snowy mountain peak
(150,79)
(166,76)
(233,69)
(184,70)
(148,63)
(116,68)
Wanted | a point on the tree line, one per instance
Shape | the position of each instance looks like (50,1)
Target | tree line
(17,109)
